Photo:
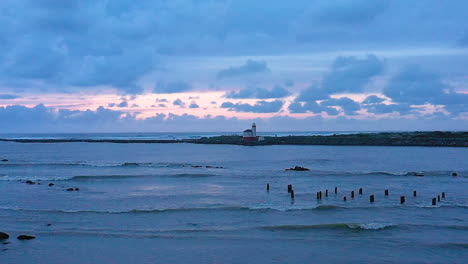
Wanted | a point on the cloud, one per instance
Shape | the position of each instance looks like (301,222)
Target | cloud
(250,67)
(378,108)
(121,104)
(347,75)
(172,87)
(311,107)
(193,105)
(9,96)
(161,100)
(258,93)
(259,107)
(18,118)
(178,102)
(349,106)
(373,99)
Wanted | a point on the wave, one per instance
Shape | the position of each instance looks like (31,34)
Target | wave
(97,164)
(338,226)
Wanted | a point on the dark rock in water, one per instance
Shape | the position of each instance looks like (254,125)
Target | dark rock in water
(419,174)
(4,236)
(49,224)
(77,189)
(25,237)
(213,167)
(51,184)
(6,243)
(5,160)
(454,174)
(30,182)
(196,166)
(298,168)
(70,189)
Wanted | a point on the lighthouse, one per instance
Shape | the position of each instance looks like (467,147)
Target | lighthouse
(250,134)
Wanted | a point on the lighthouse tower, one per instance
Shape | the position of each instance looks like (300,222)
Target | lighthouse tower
(254,130)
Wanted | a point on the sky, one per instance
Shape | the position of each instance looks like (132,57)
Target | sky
(219,65)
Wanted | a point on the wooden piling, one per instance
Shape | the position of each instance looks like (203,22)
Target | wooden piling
(326,193)
(443,195)
(336,190)
(386,192)
(292,194)
(438,198)
(402,199)
(352,194)
(360,190)
(372,198)
(344,198)
(289,188)
(320,195)
(268,187)
(415,193)
(434,201)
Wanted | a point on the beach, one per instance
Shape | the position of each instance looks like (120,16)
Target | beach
(197,203)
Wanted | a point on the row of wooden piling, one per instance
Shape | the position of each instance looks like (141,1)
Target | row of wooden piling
(360,191)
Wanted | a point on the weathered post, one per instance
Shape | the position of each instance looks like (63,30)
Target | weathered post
(352,194)
(434,201)
(326,193)
(372,198)
(292,194)
(386,192)
(289,188)
(443,195)
(415,193)
(438,198)
(344,198)
(268,187)
(360,190)
(336,190)
(402,199)
(320,194)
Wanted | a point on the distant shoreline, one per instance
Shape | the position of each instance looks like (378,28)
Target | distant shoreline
(426,139)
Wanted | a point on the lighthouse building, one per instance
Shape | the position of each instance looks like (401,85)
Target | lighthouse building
(250,134)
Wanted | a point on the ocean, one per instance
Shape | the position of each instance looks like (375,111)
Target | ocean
(190,203)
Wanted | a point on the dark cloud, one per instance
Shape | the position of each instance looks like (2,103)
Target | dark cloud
(349,106)
(161,100)
(178,102)
(373,99)
(172,87)
(311,107)
(193,105)
(9,96)
(347,75)
(258,93)
(259,107)
(250,67)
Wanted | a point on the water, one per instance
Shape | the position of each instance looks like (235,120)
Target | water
(148,203)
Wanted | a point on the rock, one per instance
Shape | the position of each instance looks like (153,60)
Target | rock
(213,167)
(49,224)
(454,174)
(6,243)
(77,189)
(70,189)
(25,237)
(4,236)
(51,184)
(196,166)
(298,168)
(419,174)
(30,182)
(5,160)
